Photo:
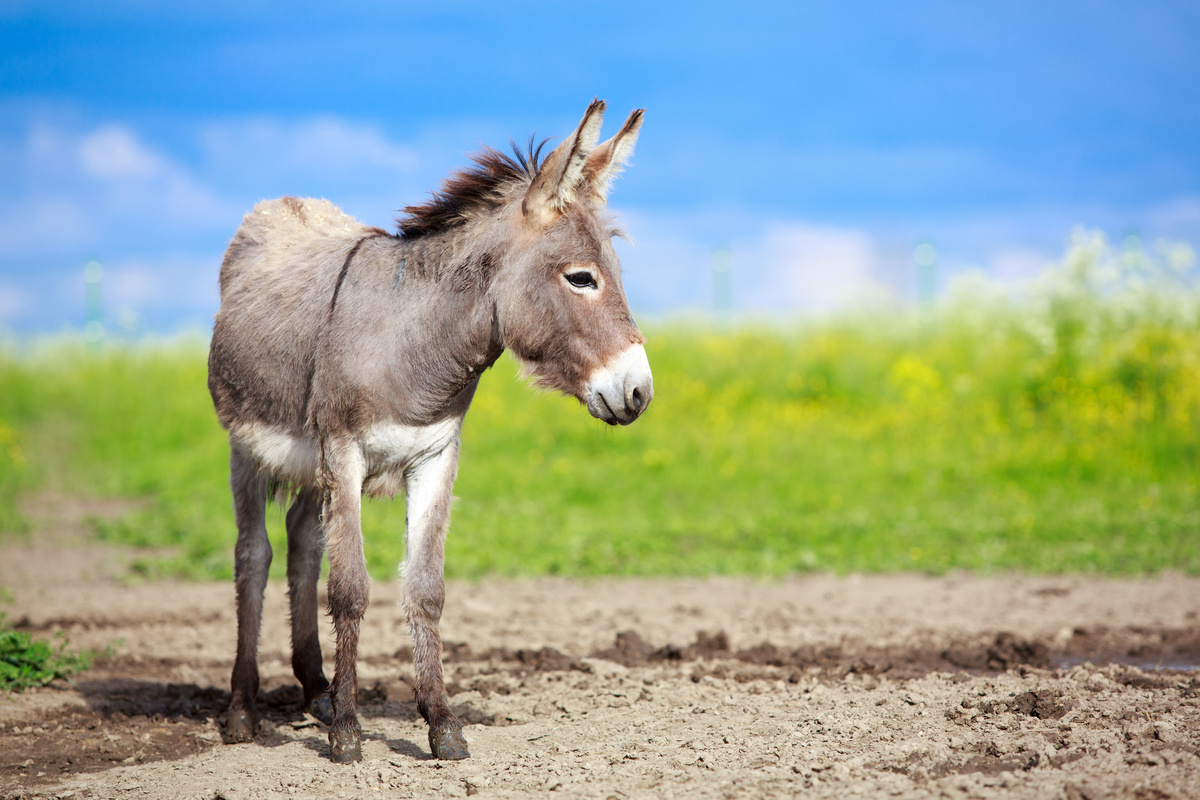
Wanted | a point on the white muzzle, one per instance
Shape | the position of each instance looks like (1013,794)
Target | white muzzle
(619,391)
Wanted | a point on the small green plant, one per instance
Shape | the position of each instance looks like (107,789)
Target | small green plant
(26,662)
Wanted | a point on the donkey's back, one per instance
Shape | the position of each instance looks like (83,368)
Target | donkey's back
(278,276)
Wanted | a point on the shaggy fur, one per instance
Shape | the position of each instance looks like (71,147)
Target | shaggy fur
(474,191)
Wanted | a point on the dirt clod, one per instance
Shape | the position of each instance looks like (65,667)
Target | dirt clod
(1043,704)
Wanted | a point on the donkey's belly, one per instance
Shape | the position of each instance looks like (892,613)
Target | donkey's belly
(391,449)
(279,452)
(388,451)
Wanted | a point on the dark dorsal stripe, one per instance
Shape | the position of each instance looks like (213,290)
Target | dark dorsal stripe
(337,287)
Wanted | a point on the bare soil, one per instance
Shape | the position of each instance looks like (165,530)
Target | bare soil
(861,686)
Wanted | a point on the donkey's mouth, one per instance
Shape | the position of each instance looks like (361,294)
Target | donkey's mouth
(620,391)
(601,410)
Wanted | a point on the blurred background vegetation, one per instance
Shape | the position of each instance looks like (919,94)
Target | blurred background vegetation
(1051,426)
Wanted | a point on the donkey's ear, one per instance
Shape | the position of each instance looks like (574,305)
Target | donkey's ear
(607,160)
(554,186)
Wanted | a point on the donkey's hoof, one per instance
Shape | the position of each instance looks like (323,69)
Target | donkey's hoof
(239,727)
(345,747)
(448,744)
(321,708)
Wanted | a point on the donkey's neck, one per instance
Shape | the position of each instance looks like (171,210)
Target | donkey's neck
(441,331)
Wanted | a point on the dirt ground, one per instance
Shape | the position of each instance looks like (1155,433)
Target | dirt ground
(862,686)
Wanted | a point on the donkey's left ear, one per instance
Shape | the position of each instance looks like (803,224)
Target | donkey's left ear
(556,184)
(606,161)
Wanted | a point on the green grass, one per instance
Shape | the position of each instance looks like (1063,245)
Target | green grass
(1052,429)
(26,662)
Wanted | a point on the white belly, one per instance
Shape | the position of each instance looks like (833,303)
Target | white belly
(284,456)
(389,450)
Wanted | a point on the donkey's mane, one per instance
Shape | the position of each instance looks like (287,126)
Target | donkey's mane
(473,191)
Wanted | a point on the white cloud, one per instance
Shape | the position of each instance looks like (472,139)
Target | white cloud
(45,146)
(157,211)
(99,192)
(13,304)
(136,286)
(1178,218)
(113,151)
(136,295)
(1019,264)
(667,264)
(799,266)
(779,266)
(108,190)
(42,224)
(323,145)
(183,281)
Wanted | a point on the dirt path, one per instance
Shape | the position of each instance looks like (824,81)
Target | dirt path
(832,687)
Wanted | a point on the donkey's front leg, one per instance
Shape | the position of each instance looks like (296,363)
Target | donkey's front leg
(429,487)
(349,588)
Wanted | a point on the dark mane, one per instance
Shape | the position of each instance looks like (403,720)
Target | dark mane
(473,190)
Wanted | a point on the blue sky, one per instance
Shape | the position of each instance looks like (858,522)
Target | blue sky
(819,142)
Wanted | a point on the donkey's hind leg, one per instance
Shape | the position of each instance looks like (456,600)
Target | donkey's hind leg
(305,546)
(252,560)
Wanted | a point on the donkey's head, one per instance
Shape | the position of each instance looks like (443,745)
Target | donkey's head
(560,304)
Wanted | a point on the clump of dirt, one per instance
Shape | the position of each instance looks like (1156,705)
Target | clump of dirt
(989,764)
(1004,651)
(543,659)
(631,650)
(1041,704)
(1148,646)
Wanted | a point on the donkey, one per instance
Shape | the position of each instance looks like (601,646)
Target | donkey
(343,359)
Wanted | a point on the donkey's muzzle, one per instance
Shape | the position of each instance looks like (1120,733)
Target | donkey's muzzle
(619,391)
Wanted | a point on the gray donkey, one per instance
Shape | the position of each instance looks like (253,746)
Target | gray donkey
(343,359)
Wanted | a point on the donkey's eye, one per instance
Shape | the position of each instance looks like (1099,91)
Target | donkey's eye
(581,279)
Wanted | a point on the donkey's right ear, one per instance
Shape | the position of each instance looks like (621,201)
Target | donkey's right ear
(553,188)
(607,160)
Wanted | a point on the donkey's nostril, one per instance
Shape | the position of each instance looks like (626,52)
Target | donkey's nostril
(635,399)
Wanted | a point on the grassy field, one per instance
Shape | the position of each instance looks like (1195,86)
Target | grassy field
(1052,428)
